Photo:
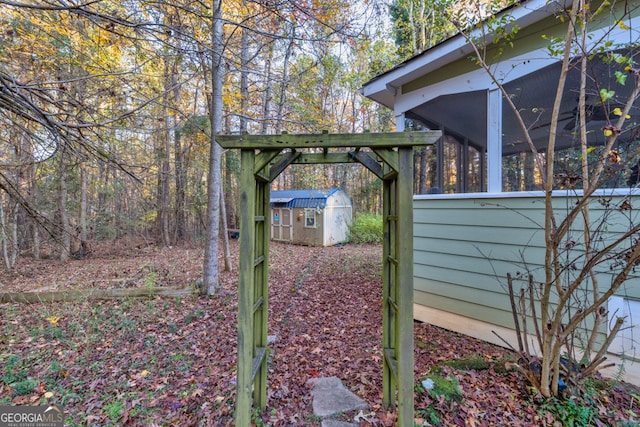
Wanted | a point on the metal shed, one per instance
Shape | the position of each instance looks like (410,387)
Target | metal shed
(310,217)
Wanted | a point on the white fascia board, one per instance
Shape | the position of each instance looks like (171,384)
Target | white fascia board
(505,72)
(380,92)
(451,50)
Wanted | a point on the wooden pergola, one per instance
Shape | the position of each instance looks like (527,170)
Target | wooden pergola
(390,157)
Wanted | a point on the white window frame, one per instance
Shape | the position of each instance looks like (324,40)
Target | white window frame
(307,216)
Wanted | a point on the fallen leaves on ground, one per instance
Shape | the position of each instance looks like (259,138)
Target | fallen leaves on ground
(164,361)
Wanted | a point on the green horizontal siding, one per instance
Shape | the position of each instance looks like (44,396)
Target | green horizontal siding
(464,248)
(483,246)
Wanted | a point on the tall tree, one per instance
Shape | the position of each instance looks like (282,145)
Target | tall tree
(214,184)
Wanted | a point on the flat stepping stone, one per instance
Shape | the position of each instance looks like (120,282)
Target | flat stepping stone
(331,397)
(335,423)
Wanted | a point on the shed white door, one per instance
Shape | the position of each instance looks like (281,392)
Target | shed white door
(281,225)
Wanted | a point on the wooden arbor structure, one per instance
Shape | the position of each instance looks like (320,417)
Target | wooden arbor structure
(390,158)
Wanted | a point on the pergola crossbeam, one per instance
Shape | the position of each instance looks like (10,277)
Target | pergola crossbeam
(328,140)
(323,158)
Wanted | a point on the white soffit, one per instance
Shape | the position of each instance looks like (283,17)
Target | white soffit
(383,88)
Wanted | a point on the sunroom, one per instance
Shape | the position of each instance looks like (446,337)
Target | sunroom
(479,208)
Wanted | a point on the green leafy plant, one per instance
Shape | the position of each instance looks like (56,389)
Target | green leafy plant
(172,328)
(366,228)
(438,386)
(569,412)
(442,386)
(257,419)
(431,415)
(13,371)
(23,387)
(114,409)
(151,281)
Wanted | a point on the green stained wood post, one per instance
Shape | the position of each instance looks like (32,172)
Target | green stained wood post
(389,314)
(245,288)
(404,274)
(394,164)
(260,301)
(252,288)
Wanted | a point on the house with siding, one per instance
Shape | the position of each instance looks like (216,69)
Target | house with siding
(487,217)
(315,217)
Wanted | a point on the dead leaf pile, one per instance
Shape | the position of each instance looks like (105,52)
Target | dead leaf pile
(164,361)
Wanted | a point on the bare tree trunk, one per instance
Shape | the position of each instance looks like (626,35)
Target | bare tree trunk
(412,25)
(14,235)
(244,79)
(9,239)
(211,267)
(103,179)
(3,225)
(285,81)
(36,240)
(35,229)
(64,229)
(165,167)
(18,175)
(225,234)
(268,90)
(180,215)
(84,249)
(180,180)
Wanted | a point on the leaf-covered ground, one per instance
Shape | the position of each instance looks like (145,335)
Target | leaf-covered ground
(164,361)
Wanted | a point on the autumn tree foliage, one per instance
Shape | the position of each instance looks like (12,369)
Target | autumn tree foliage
(105,111)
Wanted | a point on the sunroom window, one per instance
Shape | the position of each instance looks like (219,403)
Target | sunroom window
(456,163)
(533,95)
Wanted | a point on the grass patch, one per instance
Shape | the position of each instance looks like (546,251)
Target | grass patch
(442,386)
(13,370)
(437,386)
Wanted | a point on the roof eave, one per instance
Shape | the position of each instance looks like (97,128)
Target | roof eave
(385,87)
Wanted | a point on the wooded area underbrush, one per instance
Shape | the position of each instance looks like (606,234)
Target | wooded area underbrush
(366,228)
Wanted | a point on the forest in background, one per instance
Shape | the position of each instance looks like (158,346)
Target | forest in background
(106,107)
